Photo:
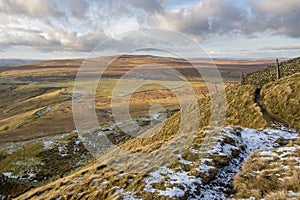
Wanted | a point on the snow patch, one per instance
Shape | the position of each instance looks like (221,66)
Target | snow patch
(48,144)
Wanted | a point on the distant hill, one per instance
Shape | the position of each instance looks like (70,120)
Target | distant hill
(56,165)
(269,74)
(14,62)
(206,168)
(66,69)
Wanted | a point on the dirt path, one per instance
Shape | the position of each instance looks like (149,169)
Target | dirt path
(272,121)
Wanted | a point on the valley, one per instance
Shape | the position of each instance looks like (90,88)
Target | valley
(44,157)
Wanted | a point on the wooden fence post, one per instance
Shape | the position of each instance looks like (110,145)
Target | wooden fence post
(216,88)
(278,69)
(242,78)
(23,153)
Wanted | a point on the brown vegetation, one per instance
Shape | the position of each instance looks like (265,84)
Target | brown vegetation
(282,99)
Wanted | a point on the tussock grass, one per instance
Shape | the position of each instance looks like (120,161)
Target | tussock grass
(269,74)
(9,163)
(16,121)
(240,110)
(265,176)
(282,195)
(282,99)
(102,182)
(43,165)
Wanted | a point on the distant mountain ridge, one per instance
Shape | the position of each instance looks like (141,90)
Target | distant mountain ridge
(13,62)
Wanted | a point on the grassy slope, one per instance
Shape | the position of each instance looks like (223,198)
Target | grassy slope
(269,74)
(28,88)
(282,99)
(262,177)
(270,175)
(34,161)
(241,110)
(101,182)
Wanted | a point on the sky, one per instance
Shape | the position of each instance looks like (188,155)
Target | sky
(51,29)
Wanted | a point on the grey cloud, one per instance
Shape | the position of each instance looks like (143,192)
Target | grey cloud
(78,8)
(51,39)
(204,19)
(216,17)
(276,7)
(32,9)
(148,6)
(281,17)
(149,49)
(287,47)
(71,41)
(150,40)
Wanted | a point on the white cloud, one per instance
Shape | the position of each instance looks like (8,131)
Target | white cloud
(77,7)
(276,7)
(52,39)
(32,8)
(285,47)
(209,18)
(148,6)
(79,25)
(203,19)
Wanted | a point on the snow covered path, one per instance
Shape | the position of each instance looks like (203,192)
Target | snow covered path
(220,186)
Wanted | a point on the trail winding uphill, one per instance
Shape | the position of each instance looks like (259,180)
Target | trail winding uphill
(200,173)
(271,120)
(220,185)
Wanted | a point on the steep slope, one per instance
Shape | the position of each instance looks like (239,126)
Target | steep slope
(269,74)
(107,183)
(271,174)
(282,99)
(46,86)
(202,171)
(206,168)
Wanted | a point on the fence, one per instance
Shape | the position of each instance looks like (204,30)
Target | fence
(272,73)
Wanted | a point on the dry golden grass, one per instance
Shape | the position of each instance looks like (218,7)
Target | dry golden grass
(17,121)
(81,184)
(281,195)
(265,176)
(101,182)
(57,70)
(43,85)
(21,98)
(281,98)
(241,109)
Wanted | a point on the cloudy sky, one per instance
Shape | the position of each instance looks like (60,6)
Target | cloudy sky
(47,29)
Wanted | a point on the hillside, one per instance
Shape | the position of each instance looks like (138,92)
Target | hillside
(271,174)
(14,62)
(43,156)
(33,94)
(281,99)
(205,169)
(149,100)
(269,74)
(198,173)
(65,70)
